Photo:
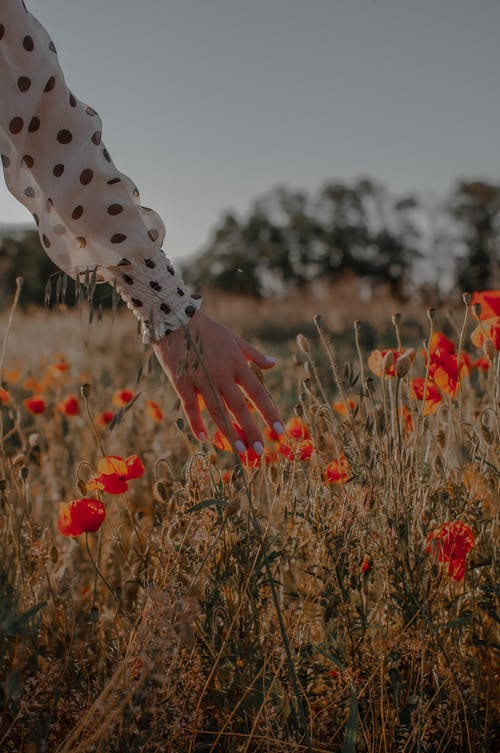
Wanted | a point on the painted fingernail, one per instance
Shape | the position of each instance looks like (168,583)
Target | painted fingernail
(202,436)
(240,446)
(258,447)
(279,428)
(271,359)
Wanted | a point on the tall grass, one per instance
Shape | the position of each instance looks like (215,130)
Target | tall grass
(227,607)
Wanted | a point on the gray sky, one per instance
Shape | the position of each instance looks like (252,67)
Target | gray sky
(208,103)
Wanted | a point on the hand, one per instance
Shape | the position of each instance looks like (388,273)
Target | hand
(218,374)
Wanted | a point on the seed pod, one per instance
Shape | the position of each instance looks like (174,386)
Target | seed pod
(489,349)
(160,490)
(487,435)
(54,554)
(466,298)
(396,319)
(402,366)
(388,361)
(3,484)
(23,472)
(85,390)
(431,312)
(441,438)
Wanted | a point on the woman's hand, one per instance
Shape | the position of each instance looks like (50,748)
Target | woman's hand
(207,358)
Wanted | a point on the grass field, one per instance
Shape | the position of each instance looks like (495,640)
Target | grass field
(340,595)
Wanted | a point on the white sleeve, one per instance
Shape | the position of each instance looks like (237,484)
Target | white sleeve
(88,213)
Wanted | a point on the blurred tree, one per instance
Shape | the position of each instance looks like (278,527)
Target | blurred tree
(475,205)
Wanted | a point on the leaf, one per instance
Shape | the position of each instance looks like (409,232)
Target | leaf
(16,624)
(351,731)
(207,503)
(456,623)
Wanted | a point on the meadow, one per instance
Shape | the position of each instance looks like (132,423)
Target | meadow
(339,594)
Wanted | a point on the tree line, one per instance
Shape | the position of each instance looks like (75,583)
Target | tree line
(291,239)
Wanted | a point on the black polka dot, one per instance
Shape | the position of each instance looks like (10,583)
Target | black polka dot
(153,234)
(36,218)
(5,160)
(124,262)
(150,263)
(23,83)
(96,137)
(82,241)
(28,160)
(196,297)
(180,291)
(46,241)
(190,311)
(128,279)
(50,84)
(28,43)
(72,100)
(29,192)
(16,125)
(52,47)
(49,205)
(113,181)
(58,170)
(165,308)
(118,238)
(170,270)
(64,136)
(155,285)
(137,302)
(115,209)
(34,124)
(2,31)
(77,212)
(86,176)
(106,155)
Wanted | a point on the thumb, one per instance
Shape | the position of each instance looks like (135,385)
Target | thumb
(254,355)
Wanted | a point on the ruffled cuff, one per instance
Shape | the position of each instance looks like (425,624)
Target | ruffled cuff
(155,293)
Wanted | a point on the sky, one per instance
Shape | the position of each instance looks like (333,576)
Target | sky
(207,104)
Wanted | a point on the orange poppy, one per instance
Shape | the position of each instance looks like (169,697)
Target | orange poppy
(433,397)
(382,366)
(79,516)
(4,396)
(442,343)
(337,471)
(35,403)
(154,411)
(490,303)
(297,429)
(122,397)
(104,418)
(489,328)
(58,368)
(31,384)
(443,369)
(69,406)
(12,376)
(451,543)
(114,472)
(340,407)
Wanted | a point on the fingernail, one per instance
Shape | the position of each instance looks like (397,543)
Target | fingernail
(240,446)
(258,447)
(271,359)
(202,436)
(279,428)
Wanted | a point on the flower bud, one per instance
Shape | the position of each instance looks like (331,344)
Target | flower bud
(431,313)
(466,298)
(403,365)
(396,319)
(303,344)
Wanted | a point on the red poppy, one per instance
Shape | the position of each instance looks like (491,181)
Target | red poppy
(451,543)
(272,435)
(490,303)
(365,565)
(488,328)
(442,343)
(154,411)
(337,471)
(433,397)
(80,516)
(58,368)
(482,364)
(4,397)
(35,403)
(221,442)
(297,429)
(114,472)
(443,369)
(69,406)
(104,418)
(122,397)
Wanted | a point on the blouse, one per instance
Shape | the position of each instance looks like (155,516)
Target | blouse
(88,213)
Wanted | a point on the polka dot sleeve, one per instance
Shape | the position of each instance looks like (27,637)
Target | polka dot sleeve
(88,213)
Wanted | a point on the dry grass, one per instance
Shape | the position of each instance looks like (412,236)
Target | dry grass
(293,615)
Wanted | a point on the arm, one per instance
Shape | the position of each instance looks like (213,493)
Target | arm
(89,216)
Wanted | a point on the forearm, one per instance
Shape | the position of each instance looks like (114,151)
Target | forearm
(88,213)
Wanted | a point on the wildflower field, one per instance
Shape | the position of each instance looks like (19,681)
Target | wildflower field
(338,593)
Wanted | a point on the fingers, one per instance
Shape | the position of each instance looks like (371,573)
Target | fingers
(222,419)
(252,354)
(238,407)
(259,397)
(189,400)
